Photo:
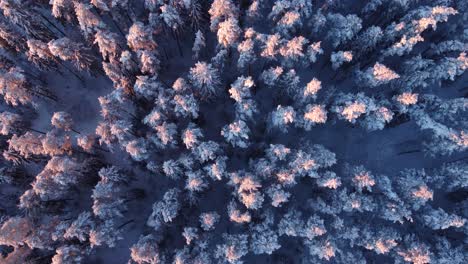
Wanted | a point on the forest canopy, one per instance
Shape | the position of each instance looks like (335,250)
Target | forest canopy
(233,131)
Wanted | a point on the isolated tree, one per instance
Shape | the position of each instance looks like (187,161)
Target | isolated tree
(27,145)
(217,169)
(146,251)
(277,152)
(25,18)
(221,10)
(290,82)
(138,149)
(205,79)
(11,38)
(377,75)
(377,119)
(241,89)
(289,22)
(127,61)
(62,9)
(246,109)
(80,228)
(105,234)
(121,130)
(362,179)
(140,37)
(220,60)
(282,117)
(68,254)
(39,54)
(253,10)
(369,39)
(248,190)
(313,114)
(190,234)
(322,157)
(323,249)
(277,195)
(314,227)
(108,44)
(14,230)
(155,117)
(57,177)
(180,85)
(439,219)
(186,106)
(271,47)
(272,76)
(172,169)
(56,142)
(236,216)
(171,17)
(291,224)
(405,100)
(236,133)
(198,45)
(350,106)
(89,22)
(240,121)
(329,180)
(413,24)
(293,50)
(86,142)
(62,120)
(342,28)
(228,32)
(149,62)
(209,220)
(167,135)
(313,50)
(191,136)
(195,183)
(309,91)
(10,123)
(118,76)
(107,203)
(15,88)
(246,53)
(414,188)
(108,5)
(339,58)
(165,210)
(303,163)
(415,252)
(195,12)
(75,52)
(451,176)
(264,240)
(233,248)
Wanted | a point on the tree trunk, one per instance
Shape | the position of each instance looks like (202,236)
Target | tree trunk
(176,36)
(101,149)
(53,25)
(37,131)
(408,152)
(126,223)
(72,129)
(116,25)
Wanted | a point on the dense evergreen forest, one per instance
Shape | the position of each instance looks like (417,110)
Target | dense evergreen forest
(233,131)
